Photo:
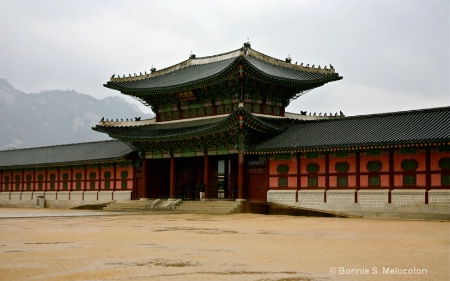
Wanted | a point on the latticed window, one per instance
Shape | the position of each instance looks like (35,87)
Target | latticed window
(342,167)
(52,181)
(409,166)
(6,178)
(282,169)
(444,164)
(374,167)
(65,178)
(17,179)
(78,177)
(28,179)
(124,176)
(374,180)
(409,180)
(313,169)
(342,181)
(445,179)
(92,176)
(107,176)
(313,181)
(282,182)
(40,181)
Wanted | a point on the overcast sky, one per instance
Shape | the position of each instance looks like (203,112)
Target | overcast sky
(393,54)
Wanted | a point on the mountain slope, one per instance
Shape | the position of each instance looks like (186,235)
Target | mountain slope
(55,117)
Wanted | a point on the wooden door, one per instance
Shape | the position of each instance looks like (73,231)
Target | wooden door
(258,185)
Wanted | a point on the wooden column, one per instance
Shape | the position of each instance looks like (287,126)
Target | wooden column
(358,175)
(428,173)
(391,175)
(241,174)
(327,176)
(206,173)
(226,178)
(143,192)
(173,189)
(299,182)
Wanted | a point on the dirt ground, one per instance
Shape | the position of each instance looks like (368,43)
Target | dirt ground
(46,245)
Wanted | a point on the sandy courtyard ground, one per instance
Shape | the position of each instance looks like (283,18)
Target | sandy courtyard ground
(206,247)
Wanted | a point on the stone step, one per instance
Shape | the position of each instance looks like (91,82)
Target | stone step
(194,207)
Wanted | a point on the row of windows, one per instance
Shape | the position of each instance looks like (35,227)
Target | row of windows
(408,165)
(65,184)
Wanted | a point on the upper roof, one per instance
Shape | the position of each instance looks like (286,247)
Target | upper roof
(200,72)
(62,155)
(397,129)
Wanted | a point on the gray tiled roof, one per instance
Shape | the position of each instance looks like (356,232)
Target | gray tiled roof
(180,77)
(389,129)
(69,154)
(189,129)
(199,72)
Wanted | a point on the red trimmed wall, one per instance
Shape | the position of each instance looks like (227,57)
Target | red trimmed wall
(391,176)
(65,178)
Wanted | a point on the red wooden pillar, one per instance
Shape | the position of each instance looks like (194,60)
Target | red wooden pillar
(391,175)
(143,193)
(226,179)
(327,176)
(173,189)
(241,174)
(358,175)
(206,175)
(428,173)
(299,182)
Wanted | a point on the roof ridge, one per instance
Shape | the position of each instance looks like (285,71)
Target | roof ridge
(59,145)
(244,51)
(382,114)
(181,65)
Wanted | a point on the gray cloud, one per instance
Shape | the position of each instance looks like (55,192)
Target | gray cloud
(394,55)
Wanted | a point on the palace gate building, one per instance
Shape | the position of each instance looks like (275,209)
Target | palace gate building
(209,111)
(220,124)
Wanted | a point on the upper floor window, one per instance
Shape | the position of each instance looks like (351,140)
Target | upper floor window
(409,166)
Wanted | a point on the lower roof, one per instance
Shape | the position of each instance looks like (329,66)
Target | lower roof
(397,129)
(68,154)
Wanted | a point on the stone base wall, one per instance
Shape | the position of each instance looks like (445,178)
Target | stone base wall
(311,198)
(340,197)
(439,198)
(373,198)
(286,197)
(408,197)
(405,203)
(61,199)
